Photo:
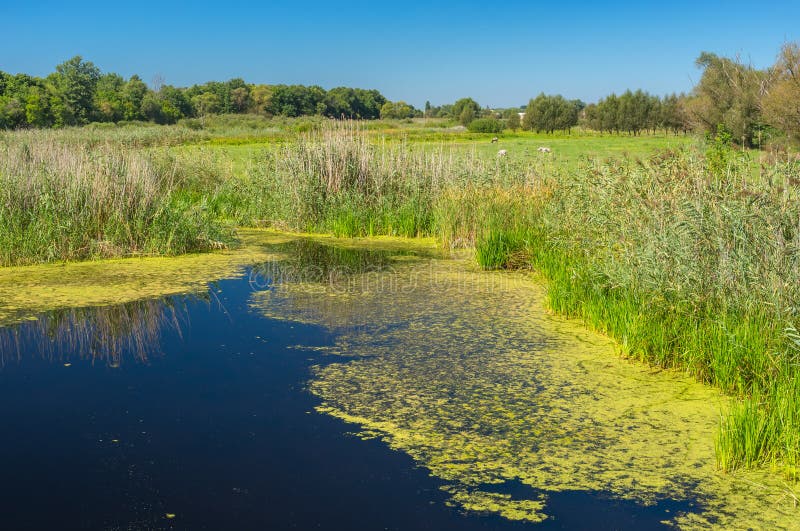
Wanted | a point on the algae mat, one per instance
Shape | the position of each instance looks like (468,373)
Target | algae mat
(464,371)
(27,291)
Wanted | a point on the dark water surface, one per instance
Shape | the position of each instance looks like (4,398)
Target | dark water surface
(115,418)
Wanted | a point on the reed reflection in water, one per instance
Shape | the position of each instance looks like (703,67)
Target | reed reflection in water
(105,334)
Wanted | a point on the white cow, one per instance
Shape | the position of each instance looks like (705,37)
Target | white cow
(502,153)
(544,150)
(494,140)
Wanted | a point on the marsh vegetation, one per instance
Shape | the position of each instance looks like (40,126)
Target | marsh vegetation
(683,255)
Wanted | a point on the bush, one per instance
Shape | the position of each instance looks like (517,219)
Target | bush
(485,125)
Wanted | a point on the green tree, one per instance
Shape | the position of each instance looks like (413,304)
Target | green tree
(174,104)
(781,104)
(262,99)
(486,125)
(241,102)
(109,105)
(466,116)
(513,121)
(207,103)
(397,110)
(37,108)
(465,110)
(550,113)
(75,81)
(151,108)
(729,94)
(133,94)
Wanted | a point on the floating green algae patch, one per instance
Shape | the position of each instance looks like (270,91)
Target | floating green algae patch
(30,290)
(464,371)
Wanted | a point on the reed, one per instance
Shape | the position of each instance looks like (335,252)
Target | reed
(64,201)
(693,268)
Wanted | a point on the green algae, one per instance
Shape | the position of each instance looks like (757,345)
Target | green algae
(28,291)
(465,372)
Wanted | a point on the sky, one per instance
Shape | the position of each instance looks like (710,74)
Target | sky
(499,53)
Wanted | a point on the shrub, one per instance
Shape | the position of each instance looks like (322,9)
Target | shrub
(485,125)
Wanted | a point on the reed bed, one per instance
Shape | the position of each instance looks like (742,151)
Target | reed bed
(687,267)
(63,201)
(339,180)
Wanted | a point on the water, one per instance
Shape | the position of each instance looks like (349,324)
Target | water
(193,412)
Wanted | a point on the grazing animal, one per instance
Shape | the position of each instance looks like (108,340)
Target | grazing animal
(544,150)
(502,153)
(494,140)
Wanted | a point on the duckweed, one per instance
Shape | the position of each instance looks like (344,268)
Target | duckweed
(465,372)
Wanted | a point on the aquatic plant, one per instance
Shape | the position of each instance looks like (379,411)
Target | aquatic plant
(462,370)
(64,201)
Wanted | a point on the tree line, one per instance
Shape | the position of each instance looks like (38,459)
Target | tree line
(752,106)
(78,93)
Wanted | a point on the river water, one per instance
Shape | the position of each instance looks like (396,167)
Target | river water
(348,388)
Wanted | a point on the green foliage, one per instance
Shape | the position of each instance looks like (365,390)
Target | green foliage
(485,125)
(76,81)
(465,110)
(78,93)
(397,110)
(719,154)
(634,112)
(781,105)
(728,93)
(501,248)
(550,113)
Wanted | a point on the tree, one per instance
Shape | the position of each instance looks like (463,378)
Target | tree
(37,108)
(608,113)
(174,104)
(466,116)
(465,110)
(241,101)
(486,125)
(397,110)
(109,105)
(513,121)
(151,108)
(75,81)
(550,113)
(781,105)
(728,93)
(206,103)
(133,94)
(262,99)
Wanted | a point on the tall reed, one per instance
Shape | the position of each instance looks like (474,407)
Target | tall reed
(63,201)
(338,179)
(687,267)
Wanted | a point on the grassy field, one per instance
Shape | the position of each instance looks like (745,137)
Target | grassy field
(683,250)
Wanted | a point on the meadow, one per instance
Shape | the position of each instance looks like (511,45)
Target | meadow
(684,250)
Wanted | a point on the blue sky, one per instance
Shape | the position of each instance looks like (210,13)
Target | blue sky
(500,53)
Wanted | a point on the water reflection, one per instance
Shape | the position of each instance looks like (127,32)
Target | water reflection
(106,334)
(308,261)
